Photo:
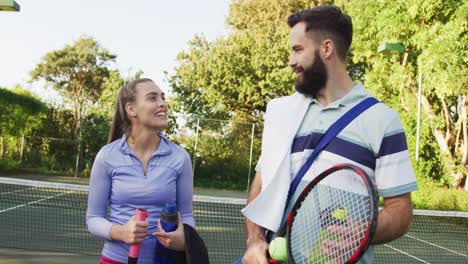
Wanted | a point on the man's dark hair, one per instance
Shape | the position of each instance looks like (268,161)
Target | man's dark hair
(330,22)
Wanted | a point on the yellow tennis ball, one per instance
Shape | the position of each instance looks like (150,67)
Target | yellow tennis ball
(340,214)
(278,249)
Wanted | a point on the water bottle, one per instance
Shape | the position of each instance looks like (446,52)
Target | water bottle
(169,221)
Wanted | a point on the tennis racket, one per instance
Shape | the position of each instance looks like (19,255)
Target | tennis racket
(134,252)
(334,218)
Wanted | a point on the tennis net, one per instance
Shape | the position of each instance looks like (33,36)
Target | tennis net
(47,216)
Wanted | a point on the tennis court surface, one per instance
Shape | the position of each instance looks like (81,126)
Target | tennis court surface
(44,216)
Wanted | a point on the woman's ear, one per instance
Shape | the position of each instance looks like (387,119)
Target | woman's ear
(130,110)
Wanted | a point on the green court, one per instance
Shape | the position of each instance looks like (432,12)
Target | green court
(39,216)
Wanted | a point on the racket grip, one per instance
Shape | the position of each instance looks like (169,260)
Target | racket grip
(272,261)
(141,215)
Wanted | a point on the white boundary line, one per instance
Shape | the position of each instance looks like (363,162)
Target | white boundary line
(52,185)
(212,199)
(219,216)
(435,245)
(440,213)
(34,202)
(15,191)
(409,255)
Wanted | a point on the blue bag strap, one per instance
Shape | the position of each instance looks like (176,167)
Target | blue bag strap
(331,133)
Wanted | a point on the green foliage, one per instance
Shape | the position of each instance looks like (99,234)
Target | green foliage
(49,155)
(434,196)
(234,77)
(434,34)
(55,123)
(94,136)
(78,72)
(19,111)
(110,89)
(220,152)
(49,147)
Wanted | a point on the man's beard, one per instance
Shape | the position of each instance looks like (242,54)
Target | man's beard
(314,78)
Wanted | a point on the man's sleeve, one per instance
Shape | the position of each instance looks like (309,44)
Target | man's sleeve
(394,172)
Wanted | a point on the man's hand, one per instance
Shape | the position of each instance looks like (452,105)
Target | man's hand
(348,238)
(256,253)
(256,243)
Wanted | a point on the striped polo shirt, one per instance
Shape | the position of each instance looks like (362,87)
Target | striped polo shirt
(374,141)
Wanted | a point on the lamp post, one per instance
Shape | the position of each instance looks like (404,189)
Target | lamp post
(9,5)
(418,123)
(396,47)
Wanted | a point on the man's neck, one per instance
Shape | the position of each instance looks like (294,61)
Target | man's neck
(338,85)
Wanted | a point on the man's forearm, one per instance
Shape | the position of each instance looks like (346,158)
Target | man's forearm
(254,232)
(394,219)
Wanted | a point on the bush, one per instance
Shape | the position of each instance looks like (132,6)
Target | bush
(431,195)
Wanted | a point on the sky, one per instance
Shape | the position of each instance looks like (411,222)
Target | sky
(145,35)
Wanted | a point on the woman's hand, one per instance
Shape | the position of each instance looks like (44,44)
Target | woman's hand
(133,232)
(172,240)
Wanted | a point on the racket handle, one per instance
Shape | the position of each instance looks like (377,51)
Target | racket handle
(272,261)
(141,215)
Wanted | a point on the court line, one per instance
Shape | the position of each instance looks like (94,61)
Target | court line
(219,216)
(435,245)
(407,254)
(19,190)
(33,202)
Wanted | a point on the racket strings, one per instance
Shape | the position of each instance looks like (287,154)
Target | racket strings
(332,220)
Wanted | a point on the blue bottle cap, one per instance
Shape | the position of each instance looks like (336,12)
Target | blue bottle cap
(170,208)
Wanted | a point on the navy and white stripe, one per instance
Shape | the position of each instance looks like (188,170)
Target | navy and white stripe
(393,142)
(338,146)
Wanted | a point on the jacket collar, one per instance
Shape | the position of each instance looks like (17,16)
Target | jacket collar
(163,148)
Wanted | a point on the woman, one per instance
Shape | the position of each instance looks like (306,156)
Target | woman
(139,168)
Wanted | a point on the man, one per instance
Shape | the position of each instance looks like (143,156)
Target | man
(374,141)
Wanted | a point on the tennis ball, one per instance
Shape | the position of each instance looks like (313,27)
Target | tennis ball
(340,214)
(278,249)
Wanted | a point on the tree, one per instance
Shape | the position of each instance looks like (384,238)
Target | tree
(435,36)
(78,72)
(110,90)
(19,111)
(234,77)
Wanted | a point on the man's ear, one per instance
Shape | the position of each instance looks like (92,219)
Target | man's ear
(327,48)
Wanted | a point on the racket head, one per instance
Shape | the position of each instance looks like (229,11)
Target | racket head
(341,198)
